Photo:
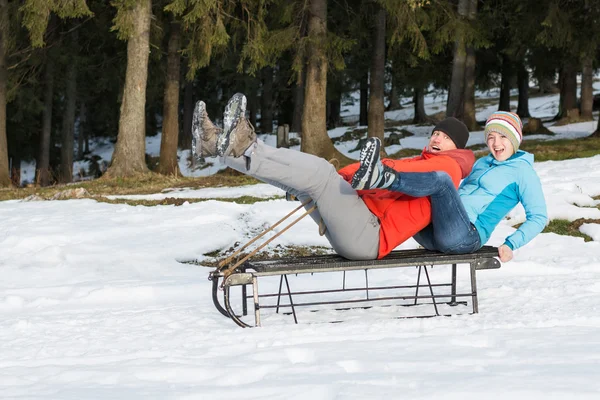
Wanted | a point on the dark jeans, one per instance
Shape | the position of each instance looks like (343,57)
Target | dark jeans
(450,230)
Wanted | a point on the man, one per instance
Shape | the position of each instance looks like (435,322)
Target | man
(361,225)
(462,221)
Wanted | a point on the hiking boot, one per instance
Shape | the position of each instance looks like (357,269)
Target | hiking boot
(204,133)
(372,174)
(238,134)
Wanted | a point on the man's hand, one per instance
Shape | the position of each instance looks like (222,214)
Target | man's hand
(505,253)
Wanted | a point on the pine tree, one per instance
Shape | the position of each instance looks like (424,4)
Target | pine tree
(462,86)
(36,15)
(314,119)
(4,172)
(133,24)
(376,117)
(419,34)
(454,107)
(170,127)
(571,27)
(68,123)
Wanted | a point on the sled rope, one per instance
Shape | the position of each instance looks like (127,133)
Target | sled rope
(228,271)
(228,259)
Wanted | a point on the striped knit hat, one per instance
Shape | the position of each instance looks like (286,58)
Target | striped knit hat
(508,124)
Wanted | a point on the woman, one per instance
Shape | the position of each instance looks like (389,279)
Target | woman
(462,221)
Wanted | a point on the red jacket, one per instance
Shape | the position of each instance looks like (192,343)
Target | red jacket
(401,216)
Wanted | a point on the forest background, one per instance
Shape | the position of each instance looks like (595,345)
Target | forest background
(75,70)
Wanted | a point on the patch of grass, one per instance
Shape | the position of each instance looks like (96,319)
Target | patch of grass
(477,147)
(554,150)
(402,133)
(350,135)
(277,252)
(405,153)
(563,149)
(390,123)
(570,228)
(175,201)
(141,184)
(214,253)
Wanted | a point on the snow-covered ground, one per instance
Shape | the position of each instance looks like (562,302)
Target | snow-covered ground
(95,303)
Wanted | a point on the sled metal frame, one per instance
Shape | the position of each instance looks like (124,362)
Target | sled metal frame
(251,270)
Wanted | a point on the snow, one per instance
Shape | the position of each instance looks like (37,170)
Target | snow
(96,303)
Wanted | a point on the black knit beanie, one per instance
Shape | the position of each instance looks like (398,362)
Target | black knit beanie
(455,129)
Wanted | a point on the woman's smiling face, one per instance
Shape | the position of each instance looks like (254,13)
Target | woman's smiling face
(500,146)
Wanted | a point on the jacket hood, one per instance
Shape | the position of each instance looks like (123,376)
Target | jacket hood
(465,158)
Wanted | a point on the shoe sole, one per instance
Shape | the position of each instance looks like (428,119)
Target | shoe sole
(365,171)
(199,110)
(236,107)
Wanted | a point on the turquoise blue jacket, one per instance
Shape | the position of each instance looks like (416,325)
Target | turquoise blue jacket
(494,188)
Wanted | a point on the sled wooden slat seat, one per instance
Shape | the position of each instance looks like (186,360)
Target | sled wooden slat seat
(249,273)
(402,258)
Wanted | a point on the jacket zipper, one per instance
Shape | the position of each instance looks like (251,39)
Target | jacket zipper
(492,166)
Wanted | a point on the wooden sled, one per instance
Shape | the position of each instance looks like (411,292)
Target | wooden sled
(423,291)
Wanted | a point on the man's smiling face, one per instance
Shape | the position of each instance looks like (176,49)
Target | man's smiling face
(440,142)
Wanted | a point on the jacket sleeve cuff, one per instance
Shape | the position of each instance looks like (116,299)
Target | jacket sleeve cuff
(509,244)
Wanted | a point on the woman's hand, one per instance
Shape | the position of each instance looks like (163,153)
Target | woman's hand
(505,253)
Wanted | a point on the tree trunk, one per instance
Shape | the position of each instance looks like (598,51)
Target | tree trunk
(130,150)
(333,109)
(546,85)
(394,103)
(468,111)
(185,140)
(455,105)
(66,149)
(266,101)
(419,101)
(469,102)
(300,86)
(504,104)
(43,162)
(568,91)
(597,131)
(523,82)
(86,138)
(167,164)
(376,86)
(252,98)
(81,131)
(298,103)
(314,130)
(364,99)
(15,170)
(587,95)
(4,172)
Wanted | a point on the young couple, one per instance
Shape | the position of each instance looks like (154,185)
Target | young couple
(372,206)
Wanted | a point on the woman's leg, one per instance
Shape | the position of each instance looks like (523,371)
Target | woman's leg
(452,230)
(425,238)
(352,229)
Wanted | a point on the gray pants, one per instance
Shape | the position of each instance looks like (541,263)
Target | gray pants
(352,229)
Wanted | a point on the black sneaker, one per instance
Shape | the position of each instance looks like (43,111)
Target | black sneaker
(372,174)
(234,111)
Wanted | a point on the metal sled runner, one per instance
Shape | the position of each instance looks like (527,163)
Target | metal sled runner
(344,297)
